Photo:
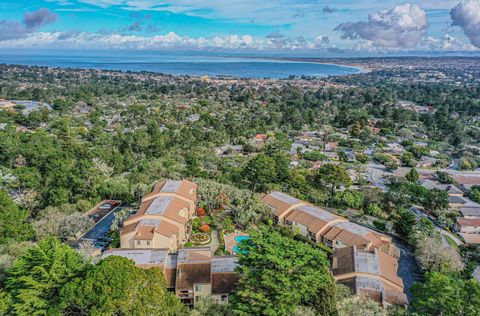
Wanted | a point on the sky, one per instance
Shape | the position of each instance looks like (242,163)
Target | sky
(307,26)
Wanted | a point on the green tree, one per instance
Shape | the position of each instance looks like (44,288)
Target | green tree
(36,280)
(442,294)
(474,194)
(444,177)
(280,273)
(404,223)
(332,176)
(412,175)
(436,199)
(260,172)
(116,287)
(13,221)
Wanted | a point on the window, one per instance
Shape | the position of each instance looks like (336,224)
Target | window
(148,242)
(198,288)
(139,242)
(224,297)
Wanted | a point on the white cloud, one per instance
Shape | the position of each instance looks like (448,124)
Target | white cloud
(466,15)
(403,26)
(76,40)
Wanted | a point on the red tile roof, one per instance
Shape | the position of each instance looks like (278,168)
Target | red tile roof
(469,221)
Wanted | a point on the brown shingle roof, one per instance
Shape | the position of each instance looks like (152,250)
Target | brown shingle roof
(280,202)
(224,283)
(314,218)
(189,274)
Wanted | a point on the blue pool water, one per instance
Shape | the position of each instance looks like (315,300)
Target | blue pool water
(238,239)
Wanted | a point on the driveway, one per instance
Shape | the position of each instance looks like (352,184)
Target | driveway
(407,267)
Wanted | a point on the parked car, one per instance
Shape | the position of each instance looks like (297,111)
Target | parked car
(105,206)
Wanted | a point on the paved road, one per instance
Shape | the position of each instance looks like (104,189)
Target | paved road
(438,228)
(376,173)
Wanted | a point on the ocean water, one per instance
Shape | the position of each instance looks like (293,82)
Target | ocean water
(178,64)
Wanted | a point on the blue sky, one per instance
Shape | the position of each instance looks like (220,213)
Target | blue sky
(250,25)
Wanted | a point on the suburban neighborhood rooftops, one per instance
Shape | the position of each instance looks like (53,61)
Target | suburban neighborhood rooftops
(473,239)
(469,221)
(470,211)
(171,262)
(457,200)
(366,262)
(280,202)
(467,179)
(224,283)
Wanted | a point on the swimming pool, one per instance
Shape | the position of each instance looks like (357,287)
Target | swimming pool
(238,239)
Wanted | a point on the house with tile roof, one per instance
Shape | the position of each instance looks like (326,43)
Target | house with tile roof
(191,273)
(369,273)
(322,226)
(162,220)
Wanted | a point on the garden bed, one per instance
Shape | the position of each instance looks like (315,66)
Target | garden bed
(200,238)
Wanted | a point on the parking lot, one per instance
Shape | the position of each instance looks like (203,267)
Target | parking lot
(104,221)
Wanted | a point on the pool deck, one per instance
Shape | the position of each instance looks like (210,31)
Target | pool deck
(230,241)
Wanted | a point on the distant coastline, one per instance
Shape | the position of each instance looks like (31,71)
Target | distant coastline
(195,66)
(362,68)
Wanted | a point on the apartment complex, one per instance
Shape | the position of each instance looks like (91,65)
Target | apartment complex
(369,273)
(191,273)
(162,221)
(322,226)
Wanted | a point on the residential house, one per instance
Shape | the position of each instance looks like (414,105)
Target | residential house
(467,225)
(345,234)
(331,146)
(191,273)
(369,273)
(162,220)
(466,179)
(312,221)
(281,205)
(471,211)
(323,226)
(394,149)
(260,138)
